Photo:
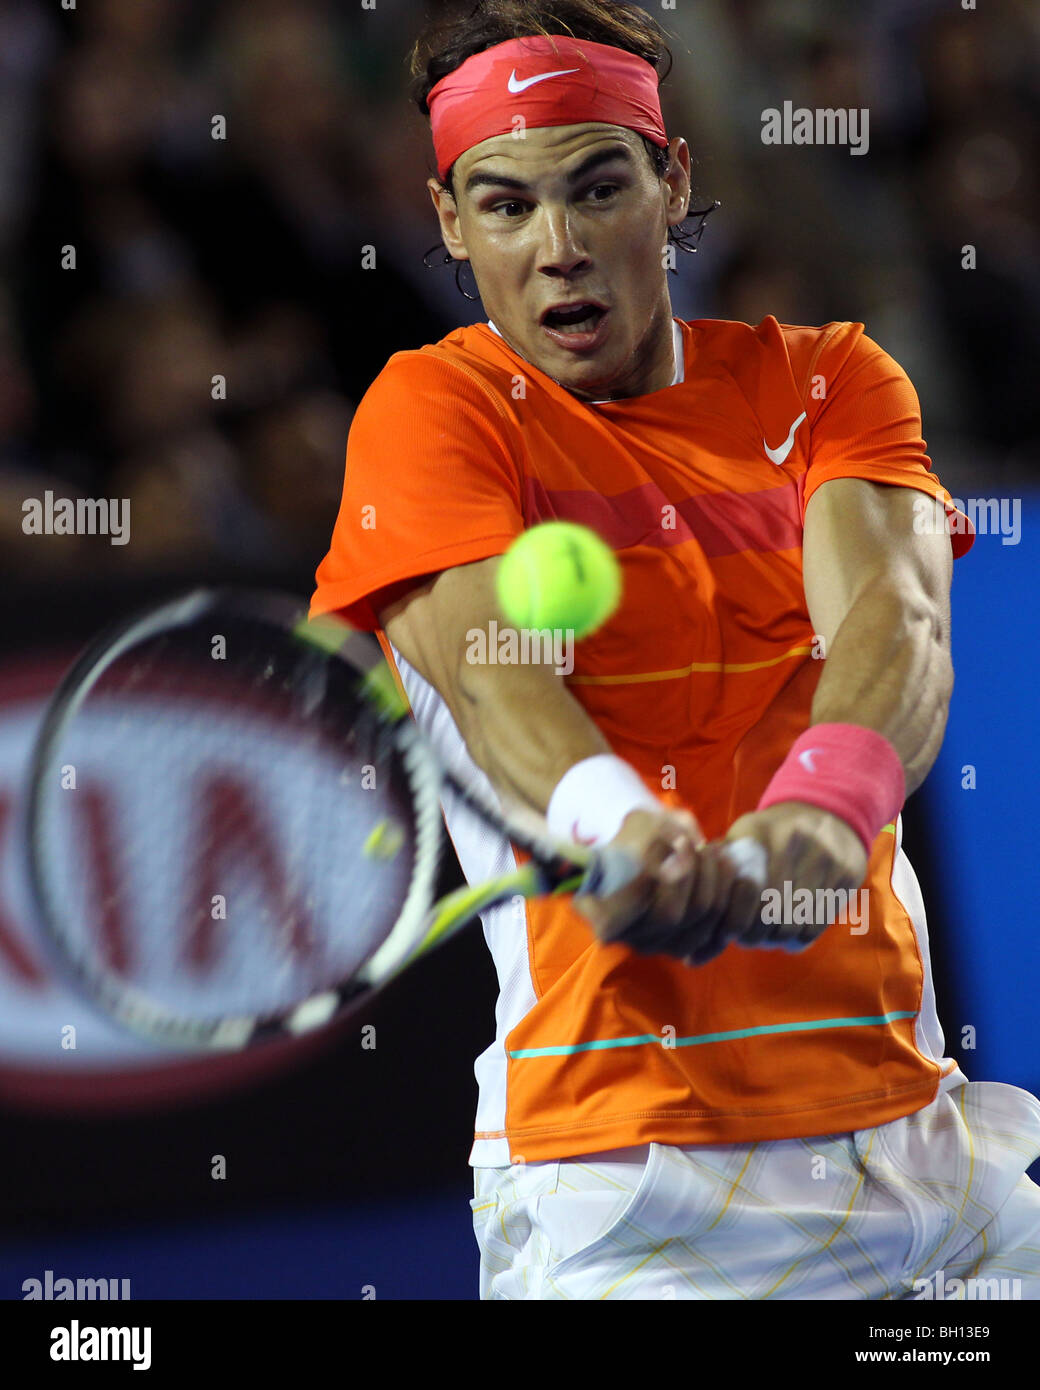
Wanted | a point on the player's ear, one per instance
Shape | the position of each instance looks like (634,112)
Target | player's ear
(677,179)
(448,215)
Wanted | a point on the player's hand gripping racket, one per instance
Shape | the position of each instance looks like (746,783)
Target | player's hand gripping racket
(234,824)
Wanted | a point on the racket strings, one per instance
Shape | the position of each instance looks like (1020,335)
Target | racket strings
(228,836)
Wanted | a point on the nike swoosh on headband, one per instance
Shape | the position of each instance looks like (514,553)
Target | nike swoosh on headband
(805,758)
(780,455)
(516,86)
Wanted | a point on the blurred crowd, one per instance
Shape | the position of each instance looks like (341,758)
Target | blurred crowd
(188,321)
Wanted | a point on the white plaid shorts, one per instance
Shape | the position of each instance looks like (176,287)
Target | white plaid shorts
(911,1209)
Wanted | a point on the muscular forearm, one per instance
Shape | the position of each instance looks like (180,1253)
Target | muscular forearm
(524,728)
(889,669)
(520,723)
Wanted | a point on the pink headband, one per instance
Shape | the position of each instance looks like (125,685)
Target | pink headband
(548,81)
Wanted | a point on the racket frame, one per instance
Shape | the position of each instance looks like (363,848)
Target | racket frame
(554,866)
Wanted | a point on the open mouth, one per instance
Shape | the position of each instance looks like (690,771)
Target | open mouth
(575,318)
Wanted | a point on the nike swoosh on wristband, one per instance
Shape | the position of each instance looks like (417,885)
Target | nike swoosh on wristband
(516,86)
(805,758)
(579,838)
(779,455)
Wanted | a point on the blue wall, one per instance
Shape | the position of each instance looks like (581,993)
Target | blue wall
(986,842)
(419,1250)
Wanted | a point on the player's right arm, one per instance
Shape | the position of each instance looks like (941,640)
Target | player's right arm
(525,730)
(520,723)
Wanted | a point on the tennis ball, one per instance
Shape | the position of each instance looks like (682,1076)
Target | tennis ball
(559,575)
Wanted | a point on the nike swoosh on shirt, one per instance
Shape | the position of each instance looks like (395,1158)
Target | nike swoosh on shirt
(780,455)
(516,86)
(805,758)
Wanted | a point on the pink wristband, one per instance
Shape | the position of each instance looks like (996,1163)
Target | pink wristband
(848,770)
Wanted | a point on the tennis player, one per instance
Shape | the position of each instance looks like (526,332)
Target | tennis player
(669,1108)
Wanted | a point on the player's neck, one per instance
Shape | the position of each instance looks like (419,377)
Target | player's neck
(656,364)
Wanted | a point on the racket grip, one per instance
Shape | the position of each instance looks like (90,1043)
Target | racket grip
(610,870)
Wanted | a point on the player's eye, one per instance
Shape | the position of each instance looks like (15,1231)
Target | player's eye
(510,210)
(603,192)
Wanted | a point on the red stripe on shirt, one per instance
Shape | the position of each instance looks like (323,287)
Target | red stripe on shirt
(722,523)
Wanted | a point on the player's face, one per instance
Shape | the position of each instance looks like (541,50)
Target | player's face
(572,216)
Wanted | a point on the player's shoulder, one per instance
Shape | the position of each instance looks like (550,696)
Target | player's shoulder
(465,361)
(794,350)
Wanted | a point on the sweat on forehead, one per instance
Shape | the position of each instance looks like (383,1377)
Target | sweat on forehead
(542,81)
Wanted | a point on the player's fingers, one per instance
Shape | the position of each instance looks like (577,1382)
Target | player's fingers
(708,903)
(609,916)
(747,861)
(750,860)
(673,872)
(622,916)
(814,872)
(745,908)
(672,819)
(714,943)
(759,931)
(655,933)
(642,914)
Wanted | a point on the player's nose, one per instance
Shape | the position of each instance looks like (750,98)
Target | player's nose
(562,251)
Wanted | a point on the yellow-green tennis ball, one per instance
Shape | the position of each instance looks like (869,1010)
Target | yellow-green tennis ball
(559,575)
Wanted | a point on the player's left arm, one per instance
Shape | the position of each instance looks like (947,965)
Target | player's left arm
(878,594)
(877,589)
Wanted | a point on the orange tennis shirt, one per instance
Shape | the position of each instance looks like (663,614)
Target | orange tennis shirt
(702,680)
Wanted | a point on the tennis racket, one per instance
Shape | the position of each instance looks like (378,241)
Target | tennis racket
(233,824)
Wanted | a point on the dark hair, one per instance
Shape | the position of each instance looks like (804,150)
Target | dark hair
(452,37)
